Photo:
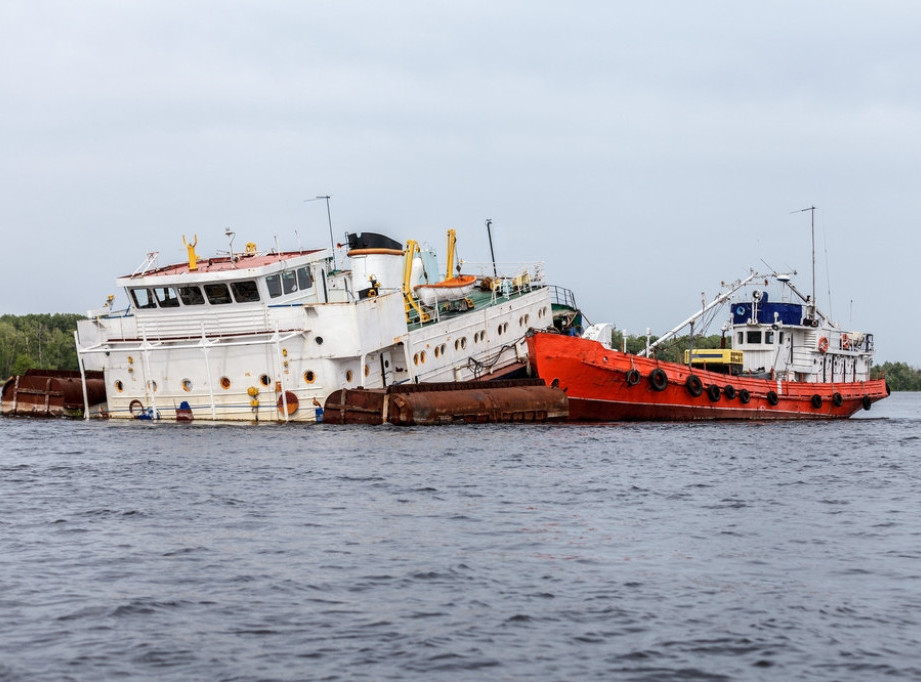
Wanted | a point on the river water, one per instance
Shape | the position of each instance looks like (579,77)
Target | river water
(713,551)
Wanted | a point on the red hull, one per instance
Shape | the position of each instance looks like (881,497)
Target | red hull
(607,385)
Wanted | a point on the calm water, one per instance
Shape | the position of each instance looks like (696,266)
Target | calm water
(625,552)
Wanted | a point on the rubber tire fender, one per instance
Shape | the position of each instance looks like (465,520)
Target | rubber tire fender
(772,398)
(713,393)
(658,379)
(694,385)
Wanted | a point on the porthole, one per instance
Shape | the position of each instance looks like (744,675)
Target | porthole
(119,386)
(309,376)
(319,340)
(437,351)
(504,327)
(348,376)
(443,348)
(500,330)
(367,370)
(153,386)
(186,385)
(422,357)
(463,342)
(416,359)
(527,318)
(265,380)
(225,383)
(456,344)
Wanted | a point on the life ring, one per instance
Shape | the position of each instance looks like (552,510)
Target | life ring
(744,396)
(816,401)
(136,407)
(658,379)
(632,377)
(772,398)
(845,342)
(823,345)
(729,391)
(836,399)
(694,385)
(713,393)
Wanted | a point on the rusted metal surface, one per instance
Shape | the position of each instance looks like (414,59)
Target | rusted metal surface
(52,393)
(526,400)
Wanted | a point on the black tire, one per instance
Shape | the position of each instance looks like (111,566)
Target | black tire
(632,377)
(866,402)
(136,407)
(744,396)
(713,393)
(836,399)
(772,398)
(816,401)
(729,391)
(658,379)
(694,385)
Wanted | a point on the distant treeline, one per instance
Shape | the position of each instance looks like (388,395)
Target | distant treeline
(46,341)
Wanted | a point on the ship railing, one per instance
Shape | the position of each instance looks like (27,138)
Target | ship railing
(563,297)
(531,272)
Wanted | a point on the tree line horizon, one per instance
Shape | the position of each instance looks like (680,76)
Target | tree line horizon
(46,341)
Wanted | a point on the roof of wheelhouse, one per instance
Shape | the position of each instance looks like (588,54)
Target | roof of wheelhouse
(224,264)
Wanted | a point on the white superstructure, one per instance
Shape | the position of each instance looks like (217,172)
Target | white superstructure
(268,336)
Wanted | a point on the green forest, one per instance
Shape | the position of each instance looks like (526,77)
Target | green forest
(46,341)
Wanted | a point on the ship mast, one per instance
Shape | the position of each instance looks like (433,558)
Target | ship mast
(811,210)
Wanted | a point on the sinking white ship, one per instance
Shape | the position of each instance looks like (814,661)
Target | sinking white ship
(262,336)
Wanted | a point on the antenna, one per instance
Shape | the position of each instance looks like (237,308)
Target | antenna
(811,209)
(230,235)
(332,242)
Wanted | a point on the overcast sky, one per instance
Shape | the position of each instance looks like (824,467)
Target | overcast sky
(644,151)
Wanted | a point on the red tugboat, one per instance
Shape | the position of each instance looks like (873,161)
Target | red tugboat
(786,360)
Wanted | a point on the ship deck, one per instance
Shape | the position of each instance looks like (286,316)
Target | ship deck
(481,299)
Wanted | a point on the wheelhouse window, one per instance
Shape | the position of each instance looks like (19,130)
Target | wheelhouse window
(304,280)
(191,296)
(288,282)
(753,337)
(143,298)
(245,292)
(769,337)
(166,297)
(217,294)
(273,282)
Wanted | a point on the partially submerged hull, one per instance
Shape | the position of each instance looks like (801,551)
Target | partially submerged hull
(53,393)
(606,385)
